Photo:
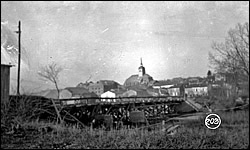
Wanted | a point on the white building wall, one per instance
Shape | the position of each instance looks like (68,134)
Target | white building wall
(162,86)
(108,94)
(196,91)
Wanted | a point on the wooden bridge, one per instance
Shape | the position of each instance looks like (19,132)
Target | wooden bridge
(154,109)
(117,111)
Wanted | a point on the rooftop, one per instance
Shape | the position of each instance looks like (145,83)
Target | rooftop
(77,90)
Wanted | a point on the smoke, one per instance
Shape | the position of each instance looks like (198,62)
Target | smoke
(9,47)
(9,55)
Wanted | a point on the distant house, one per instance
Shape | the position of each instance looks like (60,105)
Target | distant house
(139,79)
(51,94)
(142,93)
(134,80)
(176,90)
(48,93)
(109,84)
(76,92)
(129,93)
(193,80)
(162,84)
(158,91)
(113,93)
(84,85)
(108,94)
(65,94)
(163,92)
(178,80)
(102,86)
(118,92)
(196,89)
(227,84)
(136,93)
(153,92)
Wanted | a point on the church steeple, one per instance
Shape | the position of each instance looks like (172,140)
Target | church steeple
(141,70)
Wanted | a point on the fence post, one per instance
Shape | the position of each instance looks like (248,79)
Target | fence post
(163,125)
(91,128)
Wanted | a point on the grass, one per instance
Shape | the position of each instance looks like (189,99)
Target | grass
(233,133)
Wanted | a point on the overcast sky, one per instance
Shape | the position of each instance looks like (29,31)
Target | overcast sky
(105,40)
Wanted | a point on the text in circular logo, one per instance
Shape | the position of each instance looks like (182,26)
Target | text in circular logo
(212,121)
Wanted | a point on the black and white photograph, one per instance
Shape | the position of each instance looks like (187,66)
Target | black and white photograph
(124,74)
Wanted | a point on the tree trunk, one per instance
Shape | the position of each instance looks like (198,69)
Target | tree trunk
(58,96)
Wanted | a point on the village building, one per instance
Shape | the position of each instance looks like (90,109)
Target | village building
(100,87)
(108,94)
(76,92)
(154,92)
(136,93)
(193,80)
(51,93)
(162,84)
(141,78)
(163,92)
(196,90)
(84,85)
(176,90)
(228,84)
(113,93)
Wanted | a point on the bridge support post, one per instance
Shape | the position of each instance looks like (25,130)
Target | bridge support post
(163,124)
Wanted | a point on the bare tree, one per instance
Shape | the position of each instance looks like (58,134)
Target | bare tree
(51,73)
(233,55)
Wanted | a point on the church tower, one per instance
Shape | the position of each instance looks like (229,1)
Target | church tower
(141,70)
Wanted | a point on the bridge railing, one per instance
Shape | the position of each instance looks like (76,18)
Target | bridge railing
(116,100)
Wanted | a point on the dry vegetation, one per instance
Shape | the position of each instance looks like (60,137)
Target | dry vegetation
(20,130)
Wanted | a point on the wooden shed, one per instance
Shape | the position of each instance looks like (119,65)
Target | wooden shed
(5,82)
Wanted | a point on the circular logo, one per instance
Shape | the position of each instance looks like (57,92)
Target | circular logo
(212,121)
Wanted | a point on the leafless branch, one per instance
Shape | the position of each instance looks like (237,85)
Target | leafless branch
(51,73)
(233,54)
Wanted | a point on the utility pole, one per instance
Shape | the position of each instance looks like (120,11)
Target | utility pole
(19,56)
